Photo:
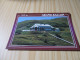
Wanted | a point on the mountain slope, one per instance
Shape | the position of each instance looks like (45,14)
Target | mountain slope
(58,22)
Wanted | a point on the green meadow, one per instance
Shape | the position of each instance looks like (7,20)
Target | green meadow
(43,37)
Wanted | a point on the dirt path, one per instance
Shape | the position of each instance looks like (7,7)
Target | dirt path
(61,39)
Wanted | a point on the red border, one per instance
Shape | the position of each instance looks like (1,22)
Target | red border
(58,48)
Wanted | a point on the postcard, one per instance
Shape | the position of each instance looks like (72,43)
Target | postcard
(43,31)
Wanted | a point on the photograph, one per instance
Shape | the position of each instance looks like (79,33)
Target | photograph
(43,31)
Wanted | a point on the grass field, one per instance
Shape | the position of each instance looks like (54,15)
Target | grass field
(43,37)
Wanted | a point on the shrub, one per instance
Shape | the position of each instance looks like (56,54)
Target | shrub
(58,35)
(45,41)
(36,32)
(52,43)
(18,31)
(44,34)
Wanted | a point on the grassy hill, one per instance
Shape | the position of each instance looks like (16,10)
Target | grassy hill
(58,22)
(41,37)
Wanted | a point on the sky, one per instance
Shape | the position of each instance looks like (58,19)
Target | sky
(20,19)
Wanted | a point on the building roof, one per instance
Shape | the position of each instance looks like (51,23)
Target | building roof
(45,25)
